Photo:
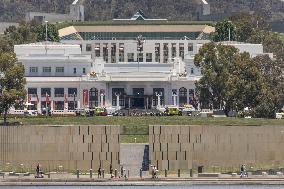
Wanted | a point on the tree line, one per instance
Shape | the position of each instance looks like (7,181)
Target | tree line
(234,81)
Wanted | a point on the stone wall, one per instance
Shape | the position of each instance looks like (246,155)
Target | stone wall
(184,147)
(60,147)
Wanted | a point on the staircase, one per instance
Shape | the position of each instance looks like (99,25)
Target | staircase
(134,157)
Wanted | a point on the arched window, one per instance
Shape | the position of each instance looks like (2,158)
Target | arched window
(182,96)
(93,98)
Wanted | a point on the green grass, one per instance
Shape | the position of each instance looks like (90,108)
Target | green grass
(131,139)
(139,125)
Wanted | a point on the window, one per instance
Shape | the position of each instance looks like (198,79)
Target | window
(84,70)
(45,91)
(32,92)
(148,57)
(191,71)
(140,57)
(72,91)
(181,50)
(130,57)
(88,47)
(121,52)
(46,69)
(97,50)
(157,52)
(59,69)
(182,96)
(59,92)
(33,69)
(190,47)
(74,70)
(93,98)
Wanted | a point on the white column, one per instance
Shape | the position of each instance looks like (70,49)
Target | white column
(159,100)
(161,52)
(117,53)
(187,96)
(102,100)
(117,101)
(39,100)
(175,99)
(109,52)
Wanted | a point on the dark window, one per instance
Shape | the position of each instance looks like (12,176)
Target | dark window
(45,91)
(72,91)
(32,91)
(84,70)
(74,70)
(59,92)
(182,96)
(93,97)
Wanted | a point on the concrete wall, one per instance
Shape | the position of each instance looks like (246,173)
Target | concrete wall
(184,147)
(73,147)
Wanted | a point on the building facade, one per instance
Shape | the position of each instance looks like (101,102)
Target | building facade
(125,66)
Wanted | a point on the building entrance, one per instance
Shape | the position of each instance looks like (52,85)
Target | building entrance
(138,102)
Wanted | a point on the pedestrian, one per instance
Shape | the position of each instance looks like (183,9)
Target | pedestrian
(121,171)
(110,171)
(99,172)
(242,171)
(37,171)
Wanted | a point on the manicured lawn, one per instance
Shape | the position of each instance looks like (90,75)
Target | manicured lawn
(139,125)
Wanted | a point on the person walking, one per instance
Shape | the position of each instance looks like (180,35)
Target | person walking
(110,171)
(121,171)
(242,171)
(99,172)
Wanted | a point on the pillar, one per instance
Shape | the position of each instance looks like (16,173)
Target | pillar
(117,101)
(102,99)
(39,100)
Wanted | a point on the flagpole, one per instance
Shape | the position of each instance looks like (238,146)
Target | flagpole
(46,110)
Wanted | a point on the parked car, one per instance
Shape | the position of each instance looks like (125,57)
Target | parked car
(173,110)
(82,112)
(98,111)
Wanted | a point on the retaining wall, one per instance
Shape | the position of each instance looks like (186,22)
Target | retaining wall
(60,147)
(184,147)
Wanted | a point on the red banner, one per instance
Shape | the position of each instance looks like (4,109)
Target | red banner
(85,97)
(65,98)
(46,98)
(29,98)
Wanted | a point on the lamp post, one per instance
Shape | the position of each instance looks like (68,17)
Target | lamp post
(140,42)
(74,100)
(46,22)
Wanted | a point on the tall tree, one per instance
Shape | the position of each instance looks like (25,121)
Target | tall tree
(225,31)
(12,81)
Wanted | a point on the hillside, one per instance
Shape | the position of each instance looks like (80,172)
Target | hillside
(14,10)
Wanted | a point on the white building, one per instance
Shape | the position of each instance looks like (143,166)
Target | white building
(77,13)
(104,65)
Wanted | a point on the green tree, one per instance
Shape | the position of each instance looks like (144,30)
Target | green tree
(12,81)
(233,81)
(215,61)
(52,33)
(225,31)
